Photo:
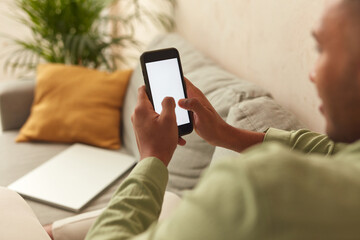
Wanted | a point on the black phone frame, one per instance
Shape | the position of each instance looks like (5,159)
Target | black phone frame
(159,55)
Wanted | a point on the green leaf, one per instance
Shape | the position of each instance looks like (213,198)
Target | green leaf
(76,32)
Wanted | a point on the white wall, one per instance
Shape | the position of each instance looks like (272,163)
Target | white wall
(145,30)
(265,41)
(8,26)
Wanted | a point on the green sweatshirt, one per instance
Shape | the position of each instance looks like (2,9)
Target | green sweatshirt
(295,185)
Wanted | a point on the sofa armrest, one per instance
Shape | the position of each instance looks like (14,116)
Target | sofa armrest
(17,220)
(16,98)
(76,227)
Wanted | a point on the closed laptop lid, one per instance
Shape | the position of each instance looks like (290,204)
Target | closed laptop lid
(74,177)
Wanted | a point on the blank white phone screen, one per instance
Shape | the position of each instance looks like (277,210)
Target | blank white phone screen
(165,81)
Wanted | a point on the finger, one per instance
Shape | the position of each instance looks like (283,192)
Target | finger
(181,141)
(143,106)
(168,108)
(192,104)
(141,92)
(142,96)
(189,86)
(191,90)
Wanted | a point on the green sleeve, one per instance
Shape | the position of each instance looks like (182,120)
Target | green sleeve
(219,207)
(136,204)
(304,141)
(269,193)
(222,206)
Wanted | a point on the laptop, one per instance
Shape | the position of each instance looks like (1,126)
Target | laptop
(74,177)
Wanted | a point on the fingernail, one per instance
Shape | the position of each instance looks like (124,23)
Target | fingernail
(170,100)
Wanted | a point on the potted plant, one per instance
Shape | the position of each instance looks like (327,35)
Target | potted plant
(77,32)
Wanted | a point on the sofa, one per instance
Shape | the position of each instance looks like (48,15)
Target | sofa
(241,103)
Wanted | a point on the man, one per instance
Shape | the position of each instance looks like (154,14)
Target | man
(296,185)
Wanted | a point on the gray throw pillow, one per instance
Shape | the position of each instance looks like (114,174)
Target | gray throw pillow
(257,115)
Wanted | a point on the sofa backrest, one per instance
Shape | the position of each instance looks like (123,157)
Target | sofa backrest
(265,41)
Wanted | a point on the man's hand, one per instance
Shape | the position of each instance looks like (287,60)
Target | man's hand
(207,122)
(211,127)
(156,135)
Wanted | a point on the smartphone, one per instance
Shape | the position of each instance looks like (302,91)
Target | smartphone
(164,77)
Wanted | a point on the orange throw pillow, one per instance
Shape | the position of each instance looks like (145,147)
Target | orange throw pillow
(76,104)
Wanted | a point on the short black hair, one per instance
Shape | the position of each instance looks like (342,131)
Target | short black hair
(353,6)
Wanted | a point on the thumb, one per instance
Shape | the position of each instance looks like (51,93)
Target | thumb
(168,108)
(191,104)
